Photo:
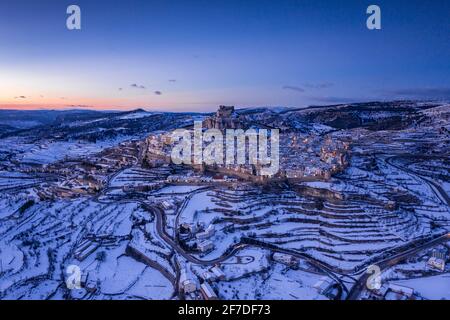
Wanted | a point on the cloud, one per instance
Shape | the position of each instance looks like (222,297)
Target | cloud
(158,93)
(137,86)
(20,97)
(324,85)
(294,88)
(315,86)
(334,100)
(172,80)
(120,89)
(420,93)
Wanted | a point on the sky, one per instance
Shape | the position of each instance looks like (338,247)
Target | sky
(191,55)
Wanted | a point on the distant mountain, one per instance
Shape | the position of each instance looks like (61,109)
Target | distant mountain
(5,128)
(94,125)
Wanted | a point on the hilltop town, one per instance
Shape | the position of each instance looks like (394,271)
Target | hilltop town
(303,156)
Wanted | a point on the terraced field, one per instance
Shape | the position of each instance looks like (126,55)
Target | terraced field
(39,245)
(327,231)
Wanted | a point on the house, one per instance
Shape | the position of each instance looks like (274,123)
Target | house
(192,296)
(187,282)
(208,292)
(381,292)
(83,245)
(208,233)
(436,263)
(192,228)
(440,254)
(189,285)
(323,285)
(91,286)
(218,273)
(166,205)
(207,276)
(205,246)
(86,251)
(285,259)
(402,290)
(84,279)
(391,295)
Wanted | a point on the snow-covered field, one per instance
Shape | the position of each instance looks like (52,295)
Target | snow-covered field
(432,288)
(37,248)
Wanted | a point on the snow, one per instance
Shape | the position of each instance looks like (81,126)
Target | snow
(433,288)
(54,151)
(132,261)
(11,258)
(446,187)
(151,285)
(176,190)
(137,115)
(278,285)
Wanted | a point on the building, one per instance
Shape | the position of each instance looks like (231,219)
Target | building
(192,296)
(187,283)
(225,118)
(91,286)
(208,233)
(83,245)
(192,228)
(166,205)
(380,293)
(285,259)
(84,279)
(205,246)
(218,273)
(208,292)
(225,111)
(323,285)
(436,263)
(86,250)
(391,295)
(439,254)
(401,290)
(207,276)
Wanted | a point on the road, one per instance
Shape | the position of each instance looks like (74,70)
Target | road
(352,294)
(162,233)
(159,215)
(391,261)
(435,187)
(183,206)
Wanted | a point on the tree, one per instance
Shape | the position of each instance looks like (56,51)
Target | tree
(101,256)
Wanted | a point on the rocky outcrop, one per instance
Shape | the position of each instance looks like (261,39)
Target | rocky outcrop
(225,118)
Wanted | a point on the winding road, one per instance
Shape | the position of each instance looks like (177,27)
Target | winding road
(435,187)
(360,283)
(391,261)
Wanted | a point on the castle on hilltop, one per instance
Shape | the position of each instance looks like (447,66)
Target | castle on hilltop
(225,118)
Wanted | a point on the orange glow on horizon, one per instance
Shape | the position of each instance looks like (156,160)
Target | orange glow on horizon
(71,103)
(121,104)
